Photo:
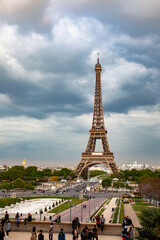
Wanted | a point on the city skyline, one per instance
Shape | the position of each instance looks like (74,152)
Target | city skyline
(48,51)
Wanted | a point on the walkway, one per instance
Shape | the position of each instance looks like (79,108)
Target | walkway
(82,211)
(128,211)
(108,209)
(27,235)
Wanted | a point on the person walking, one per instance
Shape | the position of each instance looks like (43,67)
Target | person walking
(61,235)
(98,221)
(6,217)
(75,233)
(40,235)
(17,219)
(95,233)
(83,234)
(34,234)
(125,234)
(8,228)
(90,235)
(102,222)
(130,233)
(2,234)
(87,231)
(51,232)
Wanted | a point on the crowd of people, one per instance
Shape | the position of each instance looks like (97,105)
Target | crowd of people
(127,233)
(84,234)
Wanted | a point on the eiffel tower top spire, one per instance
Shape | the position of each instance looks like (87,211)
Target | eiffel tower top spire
(98,119)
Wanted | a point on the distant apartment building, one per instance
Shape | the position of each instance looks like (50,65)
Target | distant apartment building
(155,168)
(100,167)
(3,168)
(134,165)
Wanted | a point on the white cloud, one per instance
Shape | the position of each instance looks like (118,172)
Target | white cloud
(4,100)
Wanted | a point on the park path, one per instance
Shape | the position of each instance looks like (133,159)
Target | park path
(128,211)
(79,211)
(27,235)
(108,210)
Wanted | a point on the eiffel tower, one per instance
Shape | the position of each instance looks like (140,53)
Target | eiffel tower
(98,131)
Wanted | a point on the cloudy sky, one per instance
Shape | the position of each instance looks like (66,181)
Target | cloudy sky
(47,55)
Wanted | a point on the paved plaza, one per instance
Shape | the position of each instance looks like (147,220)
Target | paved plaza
(27,235)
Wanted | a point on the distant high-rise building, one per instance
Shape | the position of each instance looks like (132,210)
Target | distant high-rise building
(24,163)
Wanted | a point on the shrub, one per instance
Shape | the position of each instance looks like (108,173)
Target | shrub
(150,221)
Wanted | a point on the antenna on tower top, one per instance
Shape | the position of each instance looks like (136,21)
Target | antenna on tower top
(97,57)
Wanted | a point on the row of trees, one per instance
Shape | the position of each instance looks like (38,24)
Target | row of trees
(106,182)
(18,183)
(31,173)
(135,175)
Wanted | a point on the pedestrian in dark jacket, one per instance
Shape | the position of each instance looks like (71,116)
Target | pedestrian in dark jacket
(2,234)
(40,235)
(17,219)
(6,216)
(90,235)
(61,235)
(83,234)
(95,233)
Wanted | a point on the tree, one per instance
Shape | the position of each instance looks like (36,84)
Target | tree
(106,182)
(64,172)
(150,187)
(31,171)
(18,183)
(54,178)
(150,221)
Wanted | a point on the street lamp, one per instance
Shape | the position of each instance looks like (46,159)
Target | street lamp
(70,209)
(89,205)
(81,211)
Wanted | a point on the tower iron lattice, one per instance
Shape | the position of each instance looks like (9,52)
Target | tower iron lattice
(98,131)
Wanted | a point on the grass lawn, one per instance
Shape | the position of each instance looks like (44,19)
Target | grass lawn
(139,206)
(8,201)
(121,212)
(66,205)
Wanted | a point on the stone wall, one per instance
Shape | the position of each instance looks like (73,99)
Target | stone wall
(109,229)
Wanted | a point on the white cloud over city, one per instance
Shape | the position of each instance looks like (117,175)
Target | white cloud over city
(47,56)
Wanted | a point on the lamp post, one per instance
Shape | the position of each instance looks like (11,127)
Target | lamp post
(89,205)
(81,211)
(94,203)
(70,210)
